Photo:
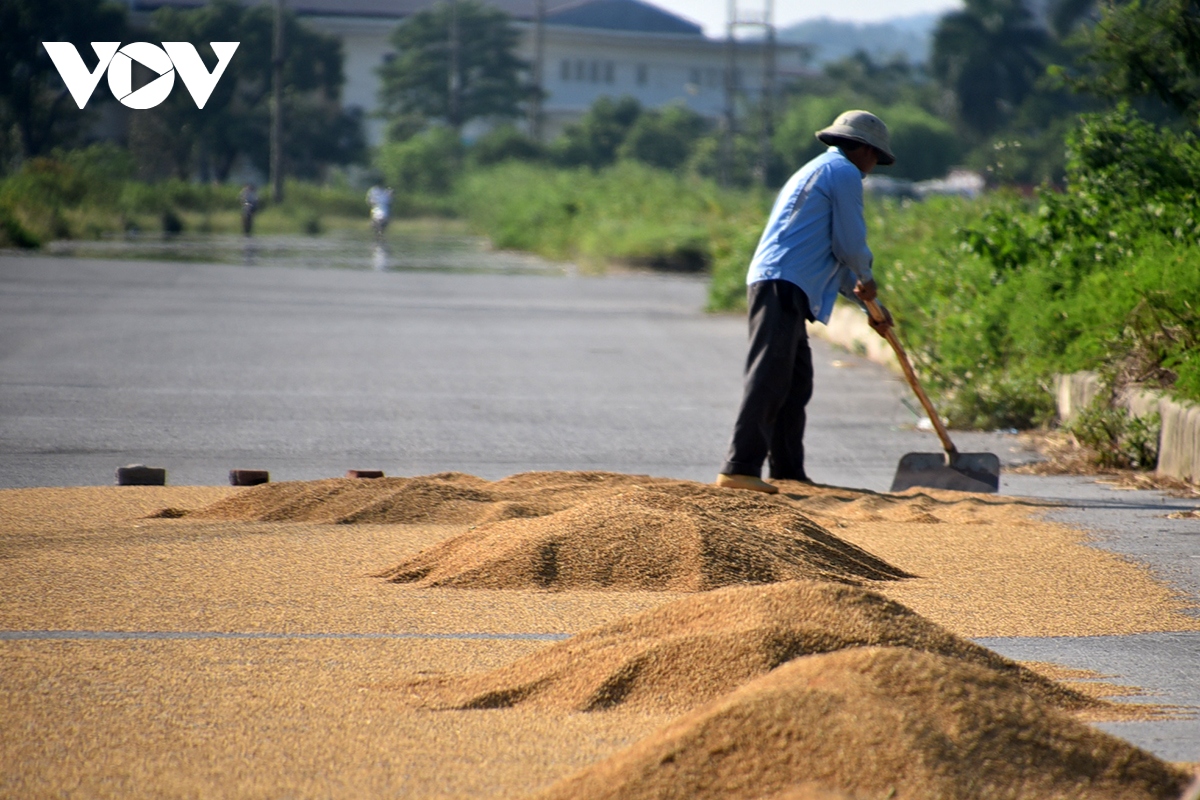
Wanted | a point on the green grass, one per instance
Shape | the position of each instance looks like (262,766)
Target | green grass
(629,213)
(61,198)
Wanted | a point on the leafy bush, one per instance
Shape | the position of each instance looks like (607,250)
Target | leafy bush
(428,162)
(1116,438)
(91,192)
(1105,275)
(732,248)
(14,234)
(505,143)
(794,137)
(171,222)
(594,140)
(663,139)
(925,146)
(316,200)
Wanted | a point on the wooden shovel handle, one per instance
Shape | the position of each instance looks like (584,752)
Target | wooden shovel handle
(877,315)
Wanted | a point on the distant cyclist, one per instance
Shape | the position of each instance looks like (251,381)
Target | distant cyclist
(380,200)
(249,200)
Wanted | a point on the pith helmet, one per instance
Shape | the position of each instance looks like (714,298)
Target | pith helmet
(860,126)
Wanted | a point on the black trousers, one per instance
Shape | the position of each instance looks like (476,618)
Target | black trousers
(778,384)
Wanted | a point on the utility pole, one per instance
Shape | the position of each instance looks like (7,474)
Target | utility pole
(277,106)
(454,109)
(768,93)
(761,20)
(539,69)
(729,122)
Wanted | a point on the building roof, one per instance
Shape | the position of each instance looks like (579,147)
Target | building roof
(622,15)
(391,9)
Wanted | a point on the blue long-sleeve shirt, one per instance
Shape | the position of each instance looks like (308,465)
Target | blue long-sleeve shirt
(816,236)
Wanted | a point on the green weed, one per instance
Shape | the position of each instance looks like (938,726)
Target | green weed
(1117,438)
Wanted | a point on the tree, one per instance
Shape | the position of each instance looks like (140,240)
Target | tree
(887,83)
(1065,15)
(594,139)
(454,63)
(925,146)
(1148,47)
(235,121)
(663,139)
(991,55)
(33,99)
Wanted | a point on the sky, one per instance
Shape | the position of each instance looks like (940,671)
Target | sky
(711,13)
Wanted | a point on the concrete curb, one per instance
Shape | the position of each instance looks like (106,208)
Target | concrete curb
(1179,442)
(848,328)
(1179,447)
(1075,392)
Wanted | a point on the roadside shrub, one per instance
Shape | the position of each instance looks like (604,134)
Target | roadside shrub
(43,182)
(996,296)
(135,197)
(593,141)
(732,248)
(663,139)
(102,169)
(1116,438)
(318,200)
(428,162)
(14,234)
(925,146)
(505,143)
(171,222)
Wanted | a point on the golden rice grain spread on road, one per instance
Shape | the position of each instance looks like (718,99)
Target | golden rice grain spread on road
(222,641)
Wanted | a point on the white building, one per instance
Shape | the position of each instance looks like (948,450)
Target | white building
(592,48)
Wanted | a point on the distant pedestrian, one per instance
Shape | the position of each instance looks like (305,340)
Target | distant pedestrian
(380,200)
(813,248)
(249,200)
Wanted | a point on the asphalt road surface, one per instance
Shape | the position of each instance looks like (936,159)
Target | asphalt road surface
(202,368)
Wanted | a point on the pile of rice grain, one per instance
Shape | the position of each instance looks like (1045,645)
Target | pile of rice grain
(684,653)
(878,722)
(457,498)
(448,497)
(640,539)
(575,530)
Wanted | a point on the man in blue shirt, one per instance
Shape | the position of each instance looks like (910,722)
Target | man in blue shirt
(814,247)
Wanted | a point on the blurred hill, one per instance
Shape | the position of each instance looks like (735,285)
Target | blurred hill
(832,40)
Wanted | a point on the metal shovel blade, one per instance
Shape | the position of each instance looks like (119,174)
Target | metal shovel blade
(962,472)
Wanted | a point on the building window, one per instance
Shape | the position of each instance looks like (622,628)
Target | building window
(643,74)
(591,71)
(694,76)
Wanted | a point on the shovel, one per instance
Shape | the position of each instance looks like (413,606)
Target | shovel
(963,472)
